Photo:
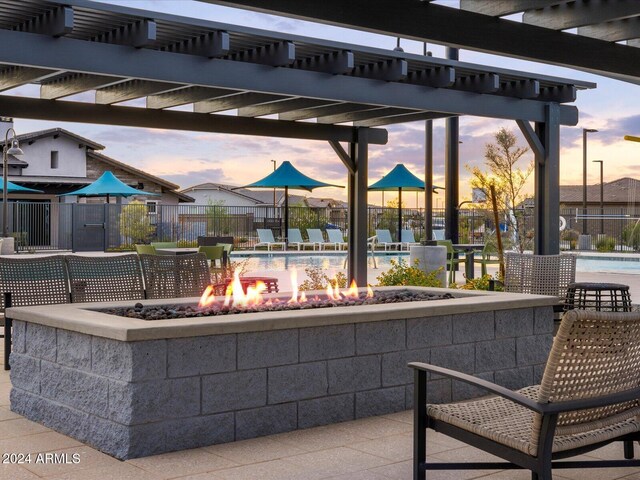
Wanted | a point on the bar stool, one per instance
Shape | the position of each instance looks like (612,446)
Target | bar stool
(606,297)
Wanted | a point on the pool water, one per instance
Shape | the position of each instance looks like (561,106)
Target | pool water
(334,262)
(626,265)
(256,263)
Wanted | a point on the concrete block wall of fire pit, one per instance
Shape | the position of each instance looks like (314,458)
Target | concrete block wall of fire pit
(133,388)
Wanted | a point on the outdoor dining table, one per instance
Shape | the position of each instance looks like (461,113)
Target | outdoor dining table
(469,250)
(176,251)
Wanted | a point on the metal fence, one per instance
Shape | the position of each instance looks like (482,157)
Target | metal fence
(91,227)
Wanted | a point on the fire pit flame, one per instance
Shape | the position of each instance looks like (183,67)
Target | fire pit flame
(294,286)
(236,297)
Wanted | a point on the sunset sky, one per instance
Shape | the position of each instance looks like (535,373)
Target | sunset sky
(613,108)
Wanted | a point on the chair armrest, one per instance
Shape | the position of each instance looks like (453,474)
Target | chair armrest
(483,384)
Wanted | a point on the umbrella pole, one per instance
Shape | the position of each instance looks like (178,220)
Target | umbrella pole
(400,214)
(286,217)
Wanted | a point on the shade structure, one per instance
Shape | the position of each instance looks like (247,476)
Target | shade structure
(108,185)
(15,188)
(287,176)
(399,178)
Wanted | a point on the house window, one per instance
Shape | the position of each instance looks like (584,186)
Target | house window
(54,159)
(152,210)
(152,207)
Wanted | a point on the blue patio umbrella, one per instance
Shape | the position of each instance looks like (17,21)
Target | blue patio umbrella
(399,178)
(287,176)
(107,185)
(15,188)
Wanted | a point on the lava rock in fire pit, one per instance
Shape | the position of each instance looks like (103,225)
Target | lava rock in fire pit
(164,312)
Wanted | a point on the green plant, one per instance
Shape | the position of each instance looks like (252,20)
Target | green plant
(570,235)
(318,280)
(135,223)
(21,239)
(631,236)
(606,244)
(303,217)
(125,247)
(218,218)
(187,243)
(479,283)
(401,273)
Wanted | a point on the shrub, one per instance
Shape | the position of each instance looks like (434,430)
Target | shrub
(403,274)
(570,235)
(135,224)
(318,280)
(480,283)
(631,236)
(606,244)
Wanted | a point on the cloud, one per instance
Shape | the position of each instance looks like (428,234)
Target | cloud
(195,177)
(616,128)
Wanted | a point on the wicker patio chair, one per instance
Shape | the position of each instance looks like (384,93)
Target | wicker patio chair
(539,274)
(589,396)
(104,279)
(31,281)
(176,276)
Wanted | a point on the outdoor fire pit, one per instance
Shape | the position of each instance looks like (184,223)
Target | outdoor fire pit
(131,387)
(203,309)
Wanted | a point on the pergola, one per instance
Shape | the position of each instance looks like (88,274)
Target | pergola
(74,46)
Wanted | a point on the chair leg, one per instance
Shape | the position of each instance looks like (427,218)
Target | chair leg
(7,342)
(628,449)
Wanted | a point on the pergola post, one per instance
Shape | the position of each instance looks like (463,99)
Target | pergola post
(358,211)
(547,184)
(428,179)
(451,169)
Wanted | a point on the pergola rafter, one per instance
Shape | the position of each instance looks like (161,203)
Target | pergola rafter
(75,46)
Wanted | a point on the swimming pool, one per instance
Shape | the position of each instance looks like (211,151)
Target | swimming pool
(335,261)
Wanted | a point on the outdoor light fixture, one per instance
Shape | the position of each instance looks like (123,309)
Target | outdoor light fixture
(7,150)
(601,162)
(584,177)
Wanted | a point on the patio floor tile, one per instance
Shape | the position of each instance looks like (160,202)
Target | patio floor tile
(254,451)
(337,461)
(178,464)
(7,414)
(375,427)
(19,427)
(120,471)
(90,458)
(39,442)
(319,438)
(16,472)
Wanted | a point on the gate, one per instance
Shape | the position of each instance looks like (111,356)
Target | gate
(89,227)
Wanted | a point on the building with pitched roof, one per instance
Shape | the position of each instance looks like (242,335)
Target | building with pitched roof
(59,161)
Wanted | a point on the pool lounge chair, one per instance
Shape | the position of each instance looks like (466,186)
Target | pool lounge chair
(383,238)
(407,238)
(336,238)
(265,237)
(315,236)
(295,239)
(437,234)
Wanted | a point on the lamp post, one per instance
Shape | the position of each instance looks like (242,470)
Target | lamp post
(601,162)
(7,150)
(585,131)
